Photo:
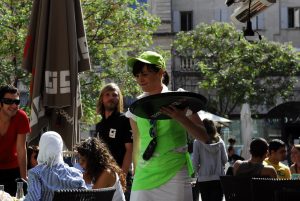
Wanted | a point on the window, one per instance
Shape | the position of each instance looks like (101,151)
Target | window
(186,21)
(258,22)
(221,14)
(293,17)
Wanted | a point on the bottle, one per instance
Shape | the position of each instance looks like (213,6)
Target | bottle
(20,192)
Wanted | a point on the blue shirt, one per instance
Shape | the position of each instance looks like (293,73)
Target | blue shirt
(43,180)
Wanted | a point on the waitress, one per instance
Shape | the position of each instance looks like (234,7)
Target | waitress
(162,163)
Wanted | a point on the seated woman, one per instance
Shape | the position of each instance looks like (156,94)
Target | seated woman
(254,166)
(295,157)
(51,173)
(32,154)
(100,167)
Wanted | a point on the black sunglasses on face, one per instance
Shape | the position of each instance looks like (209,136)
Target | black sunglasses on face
(9,101)
(151,146)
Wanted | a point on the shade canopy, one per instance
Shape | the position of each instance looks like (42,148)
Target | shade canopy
(290,110)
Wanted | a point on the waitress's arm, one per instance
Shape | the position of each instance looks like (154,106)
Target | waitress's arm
(136,142)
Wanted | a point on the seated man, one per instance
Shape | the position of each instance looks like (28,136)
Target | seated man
(51,173)
(277,153)
(232,157)
(254,166)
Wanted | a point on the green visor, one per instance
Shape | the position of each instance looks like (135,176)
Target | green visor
(148,57)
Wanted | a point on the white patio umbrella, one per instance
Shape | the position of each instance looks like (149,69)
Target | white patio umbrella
(207,115)
(246,129)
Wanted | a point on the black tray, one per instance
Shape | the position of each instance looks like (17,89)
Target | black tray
(149,106)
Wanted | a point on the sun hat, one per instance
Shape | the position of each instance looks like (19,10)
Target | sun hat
(148,57)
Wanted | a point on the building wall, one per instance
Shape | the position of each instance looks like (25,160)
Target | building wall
(271,23)
(164,35)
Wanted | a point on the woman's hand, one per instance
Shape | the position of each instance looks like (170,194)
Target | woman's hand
(192,123)
(173,112)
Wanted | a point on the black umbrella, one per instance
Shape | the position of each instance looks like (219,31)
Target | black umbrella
(55,52)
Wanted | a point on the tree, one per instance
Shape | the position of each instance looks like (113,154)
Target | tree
(114,29)
(238,71)
(14,19)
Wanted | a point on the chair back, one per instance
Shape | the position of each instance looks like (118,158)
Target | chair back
(287,195)
(275,189)
(236,188)
(105,194)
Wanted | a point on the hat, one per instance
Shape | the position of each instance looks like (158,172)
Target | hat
(148,57)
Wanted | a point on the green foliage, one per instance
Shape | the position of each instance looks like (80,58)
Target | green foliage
(237,71)
(14,20)
(114,28)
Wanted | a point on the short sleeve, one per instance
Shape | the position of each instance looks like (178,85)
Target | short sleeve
(23,123)
(127,135)
(130,115)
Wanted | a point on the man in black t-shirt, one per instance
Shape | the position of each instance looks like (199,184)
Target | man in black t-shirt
(114,128)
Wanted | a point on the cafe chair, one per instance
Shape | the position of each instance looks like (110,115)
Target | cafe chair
(286,194)
(275,189)
(236,188)
(105,194)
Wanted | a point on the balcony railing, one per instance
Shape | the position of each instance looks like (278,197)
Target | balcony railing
(185,64)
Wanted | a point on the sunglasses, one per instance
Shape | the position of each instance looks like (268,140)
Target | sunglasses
(9,101)
(148,153)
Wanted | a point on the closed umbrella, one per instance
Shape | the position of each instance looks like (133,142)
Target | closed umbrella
(246,129)
(55,52)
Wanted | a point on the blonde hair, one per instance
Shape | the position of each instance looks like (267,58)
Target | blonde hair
(109,87)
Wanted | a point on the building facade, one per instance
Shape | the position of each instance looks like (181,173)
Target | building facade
(280,22)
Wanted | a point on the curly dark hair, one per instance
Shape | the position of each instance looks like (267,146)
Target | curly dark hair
(99,159)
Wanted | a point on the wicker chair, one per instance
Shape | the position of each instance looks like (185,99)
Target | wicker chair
(236,188)
(275,189)
(105,194)
(287,195)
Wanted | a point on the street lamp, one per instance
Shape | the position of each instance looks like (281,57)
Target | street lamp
(249,34)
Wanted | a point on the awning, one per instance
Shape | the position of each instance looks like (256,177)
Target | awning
(290,110)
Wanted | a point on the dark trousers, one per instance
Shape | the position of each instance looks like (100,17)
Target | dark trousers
(129,180)
(8,179)
(210,191)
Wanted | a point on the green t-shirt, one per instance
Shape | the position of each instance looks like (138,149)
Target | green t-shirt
(165,162)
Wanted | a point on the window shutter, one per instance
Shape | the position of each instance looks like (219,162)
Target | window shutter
(176,21)
(261,21)
(224,15)
(254,23)
(218,16)
(284,17)
(297,17)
